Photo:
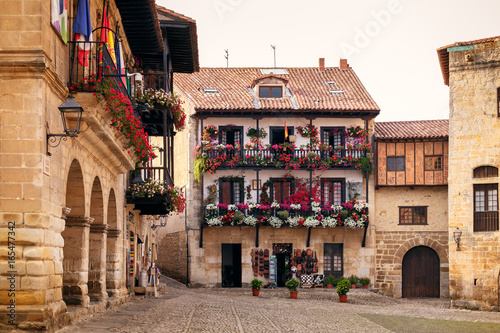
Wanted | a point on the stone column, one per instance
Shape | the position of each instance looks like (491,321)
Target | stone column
(76,260)
(114,264)
(97,262)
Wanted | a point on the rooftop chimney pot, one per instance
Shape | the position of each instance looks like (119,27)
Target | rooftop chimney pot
(343,63)
(321,64)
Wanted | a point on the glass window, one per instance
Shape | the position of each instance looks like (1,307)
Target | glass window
(396,163)
(281,189)
(485,207)
(270,92)
(231,190)
(333,191)
(433,163)
(413,215)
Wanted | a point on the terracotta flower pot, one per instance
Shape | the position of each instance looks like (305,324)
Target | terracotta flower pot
(353,286)
(329,285)
(256,292)
(293,294)
(365,286)
(343,298)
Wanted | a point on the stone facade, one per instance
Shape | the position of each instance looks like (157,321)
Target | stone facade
(474,79)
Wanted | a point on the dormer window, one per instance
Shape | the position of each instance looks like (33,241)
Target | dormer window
(270,91)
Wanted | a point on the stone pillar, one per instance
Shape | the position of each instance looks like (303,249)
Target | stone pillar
(114,264)
(97,262)
(76,260)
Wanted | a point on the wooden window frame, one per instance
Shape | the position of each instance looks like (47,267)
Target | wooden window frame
(232,181)
(272,128)
(433,163)
(413,215)
(485,220)
(270,91)
(333,180)
(486,171)
(340,129)
(340,248)
(233,129)
(280,181)
(395,164)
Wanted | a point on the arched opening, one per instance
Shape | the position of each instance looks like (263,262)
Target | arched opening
(97,245)
(114,256)
(421,273)
(76,240)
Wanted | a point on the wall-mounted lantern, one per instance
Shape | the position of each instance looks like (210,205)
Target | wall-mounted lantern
(457,236)
(70,110)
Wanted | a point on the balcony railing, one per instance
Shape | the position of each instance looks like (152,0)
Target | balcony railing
(93,58)
(159,174)
(485,221)
(280,158)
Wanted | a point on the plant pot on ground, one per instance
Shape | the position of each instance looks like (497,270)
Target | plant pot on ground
(292,285)
(330,280)
(365,282)
(256,285)
(354,280)
(343,289)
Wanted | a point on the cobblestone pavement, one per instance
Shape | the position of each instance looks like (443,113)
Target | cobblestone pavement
(183,309)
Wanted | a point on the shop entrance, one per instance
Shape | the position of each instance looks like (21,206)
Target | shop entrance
(231,265)
(282,252)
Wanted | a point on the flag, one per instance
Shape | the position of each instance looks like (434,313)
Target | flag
(82,27)
(120,66)
(107,37)
(286,131)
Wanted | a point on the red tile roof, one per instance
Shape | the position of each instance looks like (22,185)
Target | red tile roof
(418,129)
(444,58)
(307,86)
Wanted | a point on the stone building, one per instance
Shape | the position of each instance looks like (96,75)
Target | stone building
(66,227)
(274,137)
(472,71)
(411,208)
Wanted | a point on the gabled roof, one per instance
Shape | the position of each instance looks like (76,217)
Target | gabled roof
(444,59)
(417,129)
(309,91)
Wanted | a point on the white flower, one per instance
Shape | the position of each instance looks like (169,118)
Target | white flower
(293,221)
(214,221)
(329,222)
(251,206)
(336,208)
(231,207)
(351,223)
(250,220)
(211,207)
(275,205)
(311,221)
(221,146)
(315,206)
(275,221)
(295,206)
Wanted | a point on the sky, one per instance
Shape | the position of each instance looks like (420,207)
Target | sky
(390,44)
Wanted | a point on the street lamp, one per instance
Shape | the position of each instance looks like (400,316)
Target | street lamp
(70,110)
(457,236)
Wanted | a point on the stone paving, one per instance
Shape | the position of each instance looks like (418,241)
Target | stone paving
(183,309)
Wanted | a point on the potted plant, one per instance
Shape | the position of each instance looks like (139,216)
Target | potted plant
(343,289)
(353,279)
(365,282)
(330,280)
(256,285)
(292,285)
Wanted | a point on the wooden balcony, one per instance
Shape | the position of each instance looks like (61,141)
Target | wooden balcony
(485,221)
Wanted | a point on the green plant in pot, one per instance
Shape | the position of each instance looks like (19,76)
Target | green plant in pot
(343,287)
(292,285)
(365,282)
(353,279)
(330,280)
(256,285)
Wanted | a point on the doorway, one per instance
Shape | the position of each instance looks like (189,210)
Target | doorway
(278,134)
(421,272)
(283,253)
(231,265)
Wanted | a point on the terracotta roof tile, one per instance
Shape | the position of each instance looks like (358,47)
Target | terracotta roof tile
(306,85)
(418,129)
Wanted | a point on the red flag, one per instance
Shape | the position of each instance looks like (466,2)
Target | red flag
(286,131)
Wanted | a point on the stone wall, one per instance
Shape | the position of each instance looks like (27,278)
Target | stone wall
(474,142)
(172,256)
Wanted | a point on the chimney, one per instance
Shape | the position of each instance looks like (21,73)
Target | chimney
(321,64)
(343,63)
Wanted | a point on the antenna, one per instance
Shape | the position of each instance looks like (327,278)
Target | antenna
(274,50)
(227,57)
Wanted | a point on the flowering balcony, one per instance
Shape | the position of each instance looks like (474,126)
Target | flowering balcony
(352,214)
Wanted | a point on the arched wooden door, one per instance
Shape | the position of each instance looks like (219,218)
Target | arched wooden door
(421,273)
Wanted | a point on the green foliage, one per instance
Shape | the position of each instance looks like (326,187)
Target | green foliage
(238,217)
(283,214)
(343,214)
(353,279)
(199,167)
(365,165)
(256,283)
(364,281)
(343,287)
(330,279)
(292,284)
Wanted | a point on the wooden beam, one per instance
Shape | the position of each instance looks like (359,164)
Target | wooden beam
(308,242)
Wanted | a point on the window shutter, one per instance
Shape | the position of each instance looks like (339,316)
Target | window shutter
(223,137)
(237,137)
(226,192)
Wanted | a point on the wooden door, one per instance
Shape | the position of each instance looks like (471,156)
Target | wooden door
(421,273)
(231,265)
(333,259)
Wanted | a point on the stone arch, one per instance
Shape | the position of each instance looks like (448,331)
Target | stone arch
(440,250)
(97,245)
(76,239)
(114,254)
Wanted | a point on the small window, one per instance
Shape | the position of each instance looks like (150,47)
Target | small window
(210,91)
(485,207)
(281,189)
(485,172)
(396,163)
(433,163)
(333,136)
(270,92)
(231,190)
(333,191)
(413,215)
